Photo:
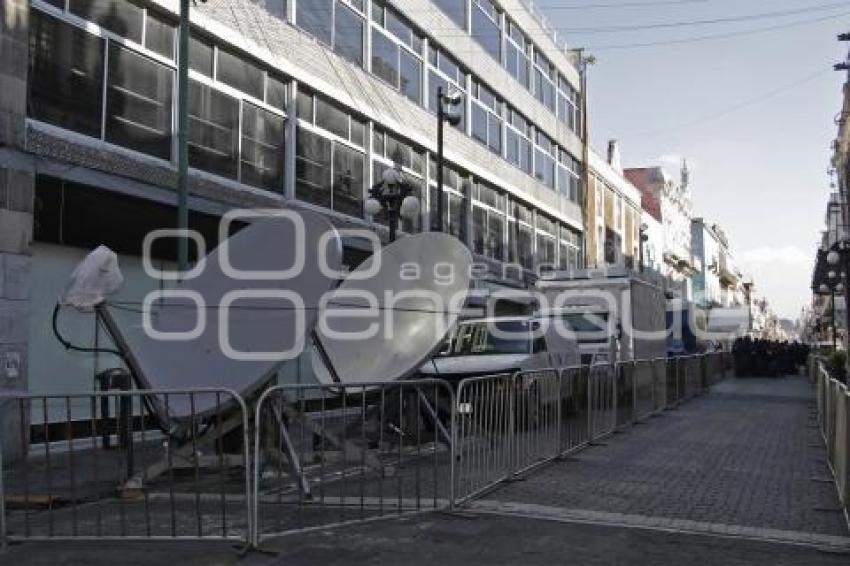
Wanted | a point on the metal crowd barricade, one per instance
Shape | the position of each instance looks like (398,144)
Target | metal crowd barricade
(833,400)
(672,382)
(659,383)
(114,465)
(334,454)
(625,394)
(574,432)
(602,389)
(487,417)
(538,418)
(643,383)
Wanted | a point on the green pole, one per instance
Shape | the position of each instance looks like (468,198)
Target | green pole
(183,135)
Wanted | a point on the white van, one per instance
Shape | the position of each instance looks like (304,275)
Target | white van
(501,345)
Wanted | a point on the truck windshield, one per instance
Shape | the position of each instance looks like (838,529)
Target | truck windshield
(588,326)
(491,337)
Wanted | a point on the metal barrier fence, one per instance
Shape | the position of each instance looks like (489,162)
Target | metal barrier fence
(117,465)
(113,465)
(833,401)
(329,455)
(602,385)
(510,424)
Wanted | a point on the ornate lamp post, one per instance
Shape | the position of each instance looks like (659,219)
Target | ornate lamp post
(839,257)
(393,195)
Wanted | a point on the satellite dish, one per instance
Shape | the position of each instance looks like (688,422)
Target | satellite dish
(241,346)
(392,312)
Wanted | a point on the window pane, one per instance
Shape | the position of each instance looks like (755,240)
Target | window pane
(495,134)
(65,74)
(348,181)
(200,56)
(304,105)
(479,229)
(331,118)
(479,123)
(348,36)
(262,148)
(276,92)
(138,103)
(213,130)
(159,35)
(358,132)
(313,168)
(384,57)
(411,77)
(398,28)
(486,32)
(455,9)
(495,236)
(316,18)
(240,74)
(118,16)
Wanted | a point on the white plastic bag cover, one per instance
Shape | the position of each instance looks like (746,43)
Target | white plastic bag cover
(94,279)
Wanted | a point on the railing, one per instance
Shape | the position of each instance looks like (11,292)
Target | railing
(508,424)
(833,401)
(329,455)
(120,465)
(117,465)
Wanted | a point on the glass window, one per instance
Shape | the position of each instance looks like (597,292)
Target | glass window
(262,148)
(313,168)
(385,57)
(304,105)
(316,18)
(486,27)
(358,132)
(411,76)
(479,229)
(240,74)
(65,75)
(517,61)
(200,56)
(479,123)
(331,118)
(159,35)
(348,34)
(454,9)
(213,130)
(276,92)
(118,16)
(138,102)
(328,173)
(348,180)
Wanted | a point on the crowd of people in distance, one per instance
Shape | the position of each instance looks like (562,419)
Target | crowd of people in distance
(766,358)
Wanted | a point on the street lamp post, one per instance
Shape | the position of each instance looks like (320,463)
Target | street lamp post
(393,195)
(642,237)
(444,114)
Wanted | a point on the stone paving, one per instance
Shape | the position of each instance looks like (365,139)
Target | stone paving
(747,455)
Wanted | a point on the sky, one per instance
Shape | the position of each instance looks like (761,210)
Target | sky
(752,112)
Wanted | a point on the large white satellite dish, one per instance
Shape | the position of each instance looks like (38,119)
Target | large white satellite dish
(238,348)
(405,299)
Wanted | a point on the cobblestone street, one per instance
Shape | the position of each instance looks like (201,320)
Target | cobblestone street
(747,455)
